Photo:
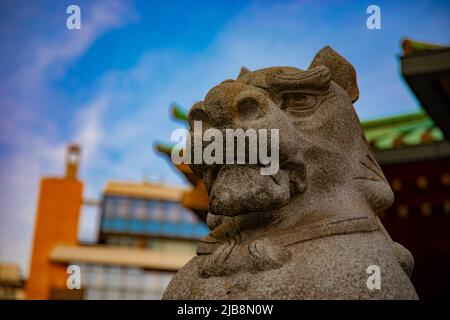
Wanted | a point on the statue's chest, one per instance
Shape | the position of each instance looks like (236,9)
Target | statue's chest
(239,282)
(232,287)
(232,258)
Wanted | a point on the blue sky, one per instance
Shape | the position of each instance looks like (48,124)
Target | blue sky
(108,86)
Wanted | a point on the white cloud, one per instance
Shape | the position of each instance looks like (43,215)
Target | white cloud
(51,56)
(89,129)
(36,150)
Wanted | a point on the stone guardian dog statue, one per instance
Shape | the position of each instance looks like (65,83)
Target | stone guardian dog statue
(310,231)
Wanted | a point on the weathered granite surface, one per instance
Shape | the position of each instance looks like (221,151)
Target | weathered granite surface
(310,231)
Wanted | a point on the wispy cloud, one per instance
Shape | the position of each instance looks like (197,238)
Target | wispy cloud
(31,142)
(50,57)
(89,130)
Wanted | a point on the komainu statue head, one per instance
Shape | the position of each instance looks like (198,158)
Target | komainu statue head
(309,229)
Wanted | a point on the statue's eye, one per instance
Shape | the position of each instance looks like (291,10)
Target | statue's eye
(297,101)
(302,99)
(248,109)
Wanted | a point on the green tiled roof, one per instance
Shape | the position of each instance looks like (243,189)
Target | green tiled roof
(385,133)
(404,130)
(164,148)
(413,46)
(178,112)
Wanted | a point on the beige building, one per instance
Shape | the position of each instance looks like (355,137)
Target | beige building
(145,236)
(11,282)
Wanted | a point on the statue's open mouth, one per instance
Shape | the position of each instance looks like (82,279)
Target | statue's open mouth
(239,189)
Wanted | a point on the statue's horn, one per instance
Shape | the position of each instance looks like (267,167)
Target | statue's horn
(342,72)
(243,71)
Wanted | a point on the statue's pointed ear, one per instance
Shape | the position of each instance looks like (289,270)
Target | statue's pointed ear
(342,72)
(243,71)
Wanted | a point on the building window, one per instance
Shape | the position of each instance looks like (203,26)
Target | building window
(123,208)
(113,283)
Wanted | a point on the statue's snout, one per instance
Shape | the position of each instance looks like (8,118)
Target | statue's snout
(230,105)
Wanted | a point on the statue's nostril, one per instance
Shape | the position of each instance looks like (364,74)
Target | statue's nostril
(248,109)
(198,114)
